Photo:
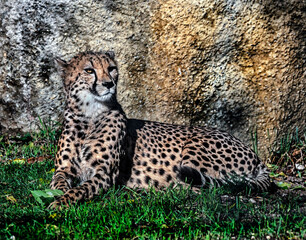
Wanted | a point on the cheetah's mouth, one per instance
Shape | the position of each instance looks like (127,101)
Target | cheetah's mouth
(105,96)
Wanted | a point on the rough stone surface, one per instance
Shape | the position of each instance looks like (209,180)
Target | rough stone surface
(236,65)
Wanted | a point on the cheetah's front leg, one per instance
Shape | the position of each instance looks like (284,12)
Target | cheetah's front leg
(100,181)
(103,161)
(66,167)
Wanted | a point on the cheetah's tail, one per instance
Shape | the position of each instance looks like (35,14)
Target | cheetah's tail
(258,181)
(261,181)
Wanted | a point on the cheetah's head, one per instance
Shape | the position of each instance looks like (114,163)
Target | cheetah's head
(90,78)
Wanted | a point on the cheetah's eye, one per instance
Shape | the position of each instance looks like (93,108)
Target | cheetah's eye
(89,70)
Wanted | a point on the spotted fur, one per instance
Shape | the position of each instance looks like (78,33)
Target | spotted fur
(100,147)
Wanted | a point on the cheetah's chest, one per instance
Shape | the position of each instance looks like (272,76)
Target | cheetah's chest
(86,168)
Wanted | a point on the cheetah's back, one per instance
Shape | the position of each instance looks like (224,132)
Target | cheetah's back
(162,154)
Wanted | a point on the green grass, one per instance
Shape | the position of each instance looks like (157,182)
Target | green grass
(254,140)
(126,214)
(31,145)
(291,149)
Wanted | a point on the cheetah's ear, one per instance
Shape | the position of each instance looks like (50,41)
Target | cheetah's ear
(110,54)
(61,65)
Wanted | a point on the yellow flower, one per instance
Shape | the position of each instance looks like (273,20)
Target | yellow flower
(11,198)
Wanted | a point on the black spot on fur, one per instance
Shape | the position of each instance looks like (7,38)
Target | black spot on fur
(73,170)
(169,178)
(154,161)
(229,166)
(228,150)
(105,156)
(94,164)
(81,135)
(156,183)
(88,156)
(68,150)
(175,168)
(196,163)
(192,153)
(206,164)
(147,179)
(161,171)
(218,161)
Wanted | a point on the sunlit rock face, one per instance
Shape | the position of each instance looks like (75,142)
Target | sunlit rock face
(235,65)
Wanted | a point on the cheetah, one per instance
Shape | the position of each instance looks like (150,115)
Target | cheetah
(100,147)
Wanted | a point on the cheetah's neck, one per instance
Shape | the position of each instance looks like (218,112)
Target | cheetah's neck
(90,108)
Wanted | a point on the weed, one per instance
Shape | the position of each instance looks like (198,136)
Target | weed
(254,140)
(289,150)
(31,145)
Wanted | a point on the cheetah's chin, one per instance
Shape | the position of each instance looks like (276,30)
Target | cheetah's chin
(104,97)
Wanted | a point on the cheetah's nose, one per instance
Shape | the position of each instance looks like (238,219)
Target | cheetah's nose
(108,84)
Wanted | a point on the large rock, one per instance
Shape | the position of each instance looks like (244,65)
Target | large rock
(236,65)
